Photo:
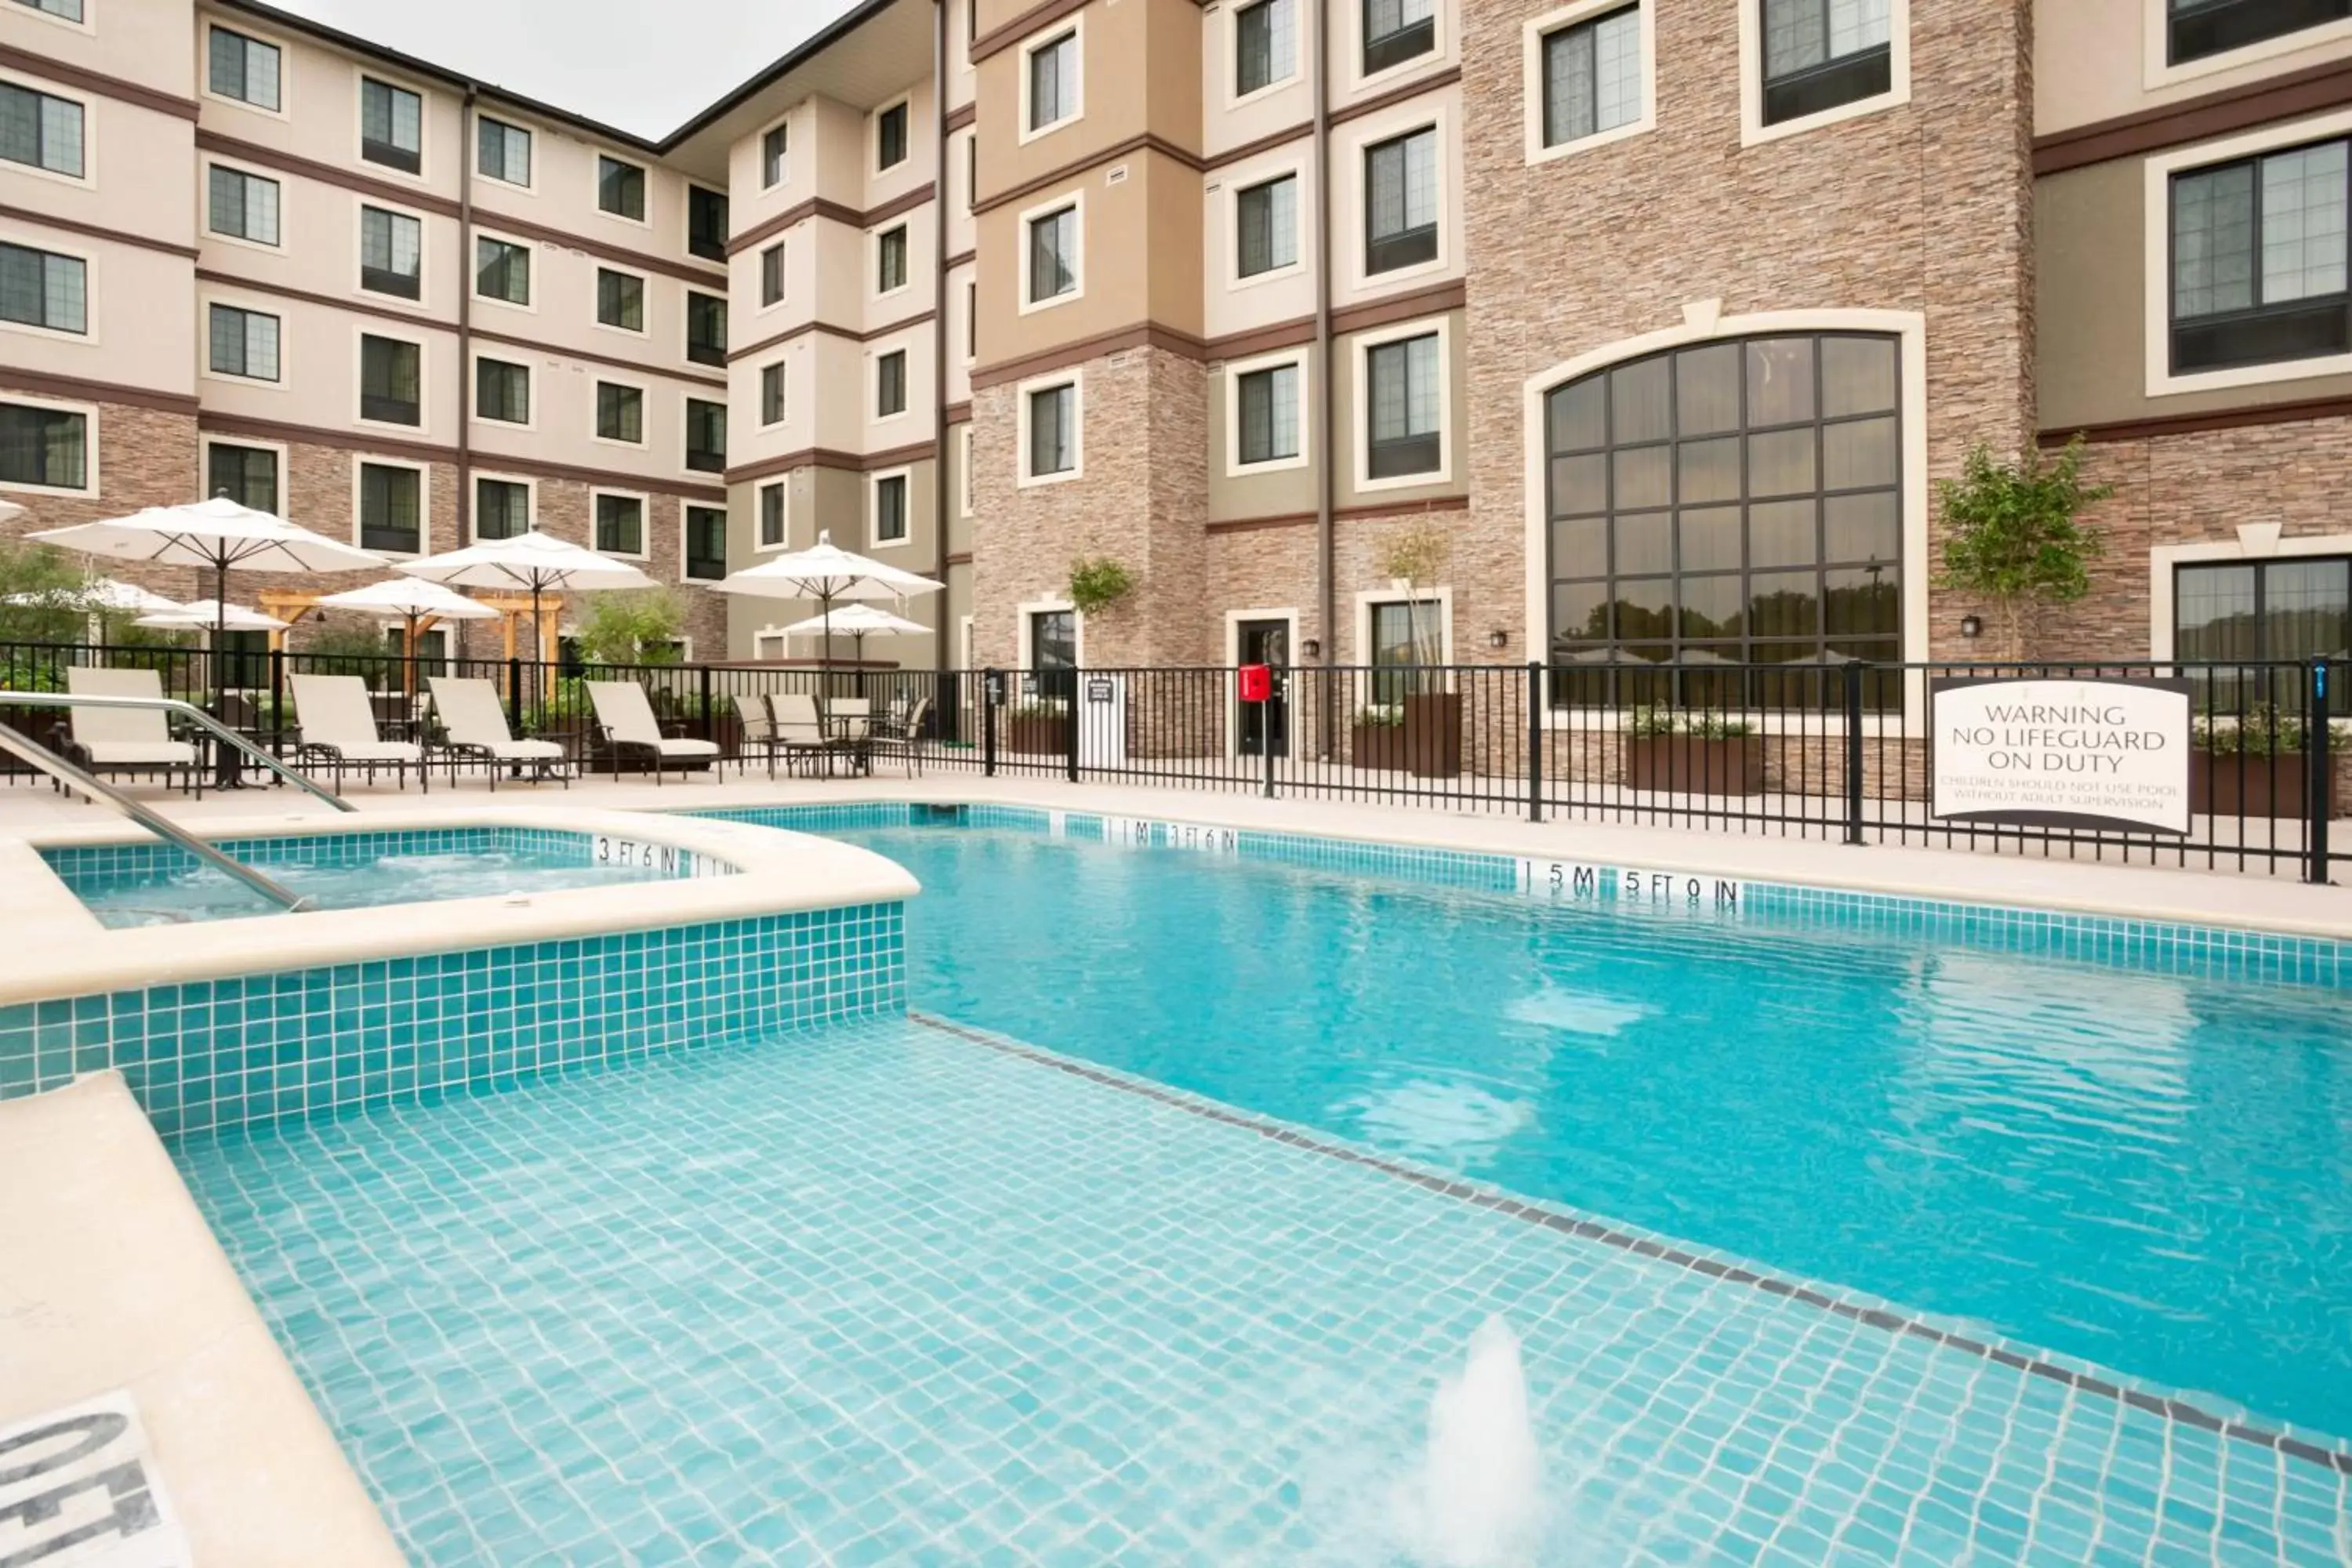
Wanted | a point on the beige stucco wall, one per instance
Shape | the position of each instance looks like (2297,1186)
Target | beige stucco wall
(1275,492)
(158,53)
(1230,120)
(1230,303)
(1140,250)
(2100,59)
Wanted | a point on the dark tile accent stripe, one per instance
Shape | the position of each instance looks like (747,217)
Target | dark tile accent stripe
(1646,1246)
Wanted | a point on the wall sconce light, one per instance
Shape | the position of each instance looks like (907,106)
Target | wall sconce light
(1972,626)
(1311,648)
(1498,639)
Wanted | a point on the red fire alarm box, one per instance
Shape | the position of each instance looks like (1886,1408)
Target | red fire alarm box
(1257,683)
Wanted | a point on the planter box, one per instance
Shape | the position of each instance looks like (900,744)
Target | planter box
(1433,735)
(2251,787)
(1038,737)
(1377,746)
(1694,764)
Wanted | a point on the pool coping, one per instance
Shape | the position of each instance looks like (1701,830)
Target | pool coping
(59,948)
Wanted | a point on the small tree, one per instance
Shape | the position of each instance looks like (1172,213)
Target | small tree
(41,594)
(2011,534)
(1097,583)
(637,627)
(1416,554)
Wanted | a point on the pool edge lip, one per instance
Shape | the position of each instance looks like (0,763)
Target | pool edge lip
(778,871)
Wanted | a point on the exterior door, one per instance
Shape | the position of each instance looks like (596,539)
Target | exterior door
(1267,723)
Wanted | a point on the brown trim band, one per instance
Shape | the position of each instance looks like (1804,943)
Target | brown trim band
(2306,91)
(961,117)
(426,452)
(1142,334)
(566,351)
(1394,96)
(831,457)
(1344,514)
(331,302)
(1262,340)
(818,207)
(963,559)
(1429,301)
(1259,524)
(964,258)
(1002,37)
(709,274)
(1145,142)
(1263,145)
(956,413)
(97,83)
(2200,423)
(97,231)
(326,173)
(75,389)
(829,329)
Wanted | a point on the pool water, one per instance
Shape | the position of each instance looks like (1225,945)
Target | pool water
(2147,1172)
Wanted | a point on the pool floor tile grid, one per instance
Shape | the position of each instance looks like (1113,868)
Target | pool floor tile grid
(878,1293)
(318,1042)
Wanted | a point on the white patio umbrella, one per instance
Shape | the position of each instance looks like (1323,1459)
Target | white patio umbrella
(859,620)
(114,596)
(410,600)
(826,575)
(211,615)
(534,561)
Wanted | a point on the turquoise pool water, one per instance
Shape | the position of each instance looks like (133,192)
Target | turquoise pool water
(2150,1172)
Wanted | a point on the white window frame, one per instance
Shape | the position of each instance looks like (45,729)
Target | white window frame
(1025,612)
(361,202)
(90,448)
(597,155)
(423,175)
(1441,46)
(474,149)
(1368,599)
(605,376)
(1237,369)
(645,521)
(2159,71)
(2156,175)
(781,250)
(874,168)
(206,233)
(205,299)
(89,297)
(873,539)
(685,431)
(502,354)
(424,472)
(1077,201)
(2255,542)
(874,290)
(1075,378)
(964,475)
(88,179)
(783,484)
(1533,37)
(380,327)
(1406,119)
(686,506)
(207,440)
(1754,132)
(483,231)
(760,153)
(88,23)
(205,68)
(474,501)
(1299,50)
(1074,27)
(874,416)
(1300,241)
(759,393)
(644,295)
(1361,400)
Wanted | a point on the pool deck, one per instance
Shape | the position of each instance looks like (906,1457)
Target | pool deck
(2130,892)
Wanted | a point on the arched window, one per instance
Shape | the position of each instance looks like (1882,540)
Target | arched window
(1732,503)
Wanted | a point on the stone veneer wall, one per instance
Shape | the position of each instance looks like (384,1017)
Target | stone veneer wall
(146,456)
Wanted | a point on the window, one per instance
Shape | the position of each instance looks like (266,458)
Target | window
(1820,55)
(1054,82)
(1400,200)
(246,475)
(772,147)
(890,384)
(245,70)
(1266,222)
(392,251)
(972,321)
(2200,27)
(1402,393)
(706,435)
(1053,430)
(502,151)
(1265,46)
(621,525)
(2242,612)
(501,391)
(502,270)
(2259,262)
(890,510)
(1592,76)
(771,393)
(890,137)
(771,274)
(890,259)
(1053,255)
(501,509)
(772,517)
(65,10)
(242,206)
(1730,503)
(706,328)
(706,223)
(706,543)
(971,171)
(620,188)
(392,509)
(39,288)
(244,343)
(1405,634)
(1054,653)
(620,413)
(391,380)
(391,126)
(620,300)
(1396,31)
(1268,414)
(39,130)
(46,446)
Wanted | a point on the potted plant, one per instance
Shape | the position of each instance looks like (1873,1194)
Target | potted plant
(2010,535)
(2254,764)
(1692,754)
(1036,726)
(1415,557)
(1376,737)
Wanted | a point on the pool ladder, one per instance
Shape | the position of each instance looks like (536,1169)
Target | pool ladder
(41,758)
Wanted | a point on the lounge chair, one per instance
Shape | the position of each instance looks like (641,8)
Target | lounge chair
(338,728)
(473,724)
(127,740)
(624,717)
(800,734)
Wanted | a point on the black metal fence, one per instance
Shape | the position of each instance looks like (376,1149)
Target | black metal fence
(1832,752)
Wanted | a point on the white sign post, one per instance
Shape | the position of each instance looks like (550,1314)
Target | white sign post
(1102,720)
(2062,753)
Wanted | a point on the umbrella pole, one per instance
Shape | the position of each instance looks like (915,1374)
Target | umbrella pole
(226,773)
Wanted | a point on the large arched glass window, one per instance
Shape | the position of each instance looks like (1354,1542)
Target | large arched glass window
(1733,503)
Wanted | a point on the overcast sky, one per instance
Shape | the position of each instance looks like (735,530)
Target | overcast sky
(643,67)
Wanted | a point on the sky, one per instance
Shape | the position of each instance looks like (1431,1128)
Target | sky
(643,67)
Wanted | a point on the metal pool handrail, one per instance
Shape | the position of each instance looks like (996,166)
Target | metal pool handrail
(187,711)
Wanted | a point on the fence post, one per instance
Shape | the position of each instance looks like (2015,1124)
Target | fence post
(278,702)
(1070,735)
(2322,767)
(1853,752)
(1266,721)
(990,683)
(514,693)
(1535,740)
(709,720)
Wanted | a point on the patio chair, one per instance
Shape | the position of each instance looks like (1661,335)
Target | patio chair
(759,727)
(901,735)
(474,725)
(337,724)
(800,732)
(624,717)
(849,722)
(136,741)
